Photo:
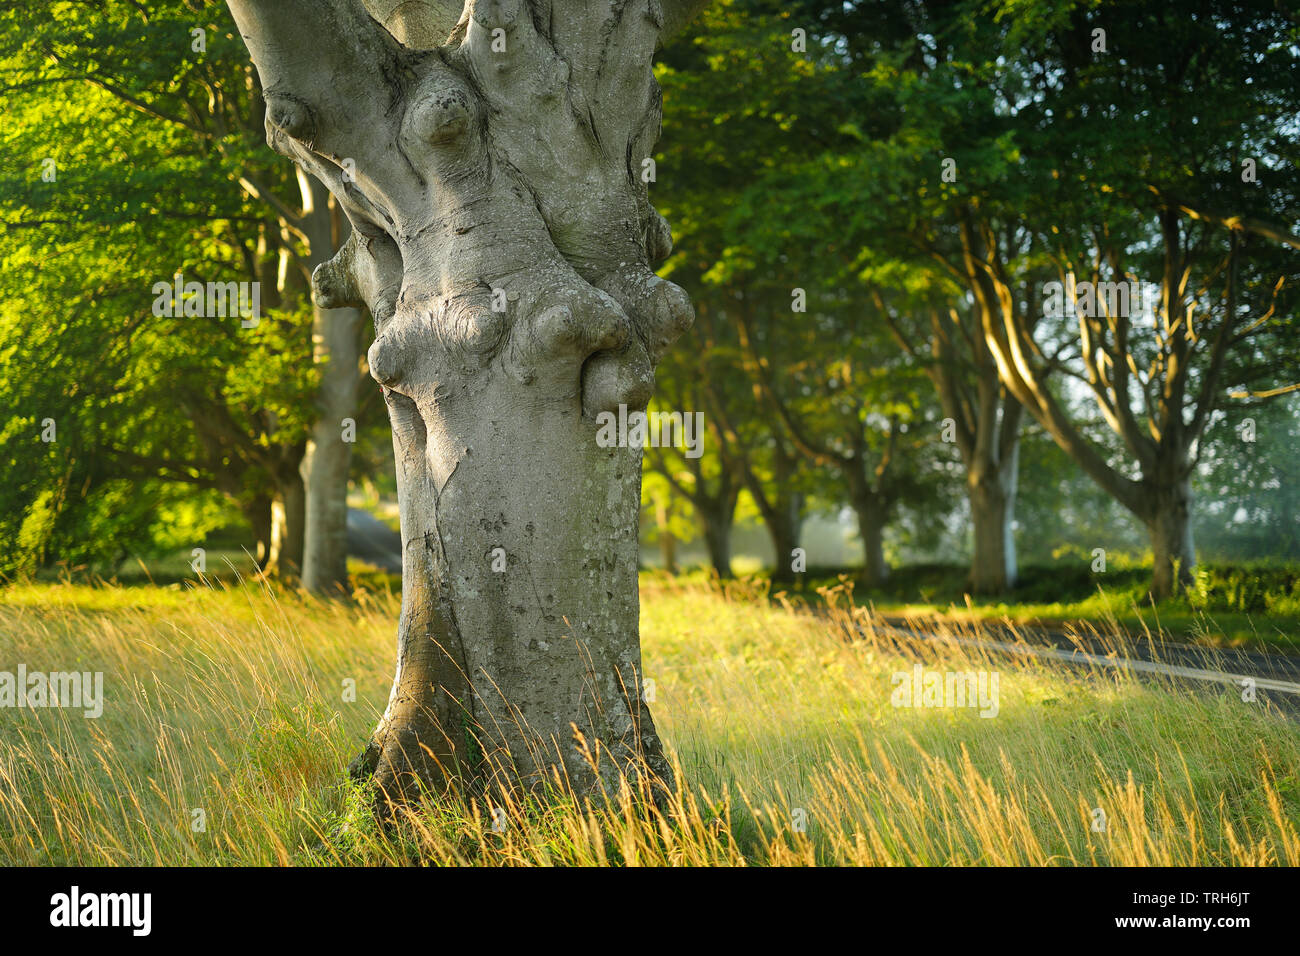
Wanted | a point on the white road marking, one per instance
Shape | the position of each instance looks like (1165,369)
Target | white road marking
(1122,663)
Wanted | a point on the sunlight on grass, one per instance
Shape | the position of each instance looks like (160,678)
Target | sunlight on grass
(226,706)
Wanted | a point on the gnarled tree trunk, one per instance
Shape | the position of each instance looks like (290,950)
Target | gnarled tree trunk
(502,239)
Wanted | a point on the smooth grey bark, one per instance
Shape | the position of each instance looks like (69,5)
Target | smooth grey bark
(328,458)
(336,351)
(990,450)
(502,240)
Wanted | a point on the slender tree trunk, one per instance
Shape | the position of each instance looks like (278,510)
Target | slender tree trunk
(716,512)
(795,505)
(1171,540)
(668,551)
(325,468)
(717,538)
(781,513)
(502,240)
(288,526)
(871,527)
(992,502)
(267,258)
(783,528)
(328,457)
(336,346)
(257,512)
(783,543)
(667,540)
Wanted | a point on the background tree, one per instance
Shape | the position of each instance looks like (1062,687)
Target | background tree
(179,72)
(147,408)
(1027,154)
(1213,91)
(711,482)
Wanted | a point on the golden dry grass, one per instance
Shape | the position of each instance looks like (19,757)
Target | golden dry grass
(230,701)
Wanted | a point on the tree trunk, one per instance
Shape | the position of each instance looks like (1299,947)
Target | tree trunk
(717,538)
(257,512)
(501,238)
(992,503)
(781,513)
(668,551)
(507,576)
(871,526)
(1171,540)
(325,466)
(667,540)
(328,458)
(783,525)
(288,525)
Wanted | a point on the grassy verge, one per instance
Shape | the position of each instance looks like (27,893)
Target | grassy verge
(232,702)
(1230,606)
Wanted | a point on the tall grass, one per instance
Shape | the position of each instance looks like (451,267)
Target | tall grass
(230,701)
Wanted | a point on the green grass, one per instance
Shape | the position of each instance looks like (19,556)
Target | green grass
(230,701)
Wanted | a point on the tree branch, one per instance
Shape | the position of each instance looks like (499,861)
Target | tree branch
(1242,224)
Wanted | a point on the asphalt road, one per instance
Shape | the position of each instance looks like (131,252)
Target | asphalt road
(1276,676)
(372,541)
